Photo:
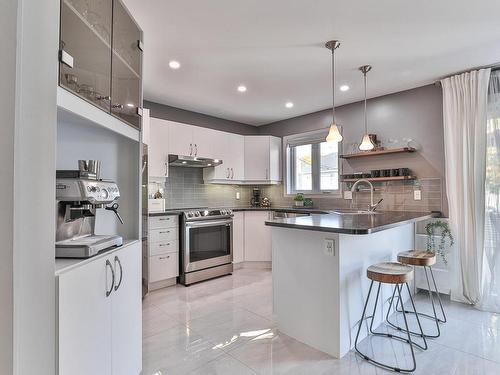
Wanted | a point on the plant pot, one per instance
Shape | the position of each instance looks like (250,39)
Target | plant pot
(299,203)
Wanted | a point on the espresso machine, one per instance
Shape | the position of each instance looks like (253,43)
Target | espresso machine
(79,194)
(255,200)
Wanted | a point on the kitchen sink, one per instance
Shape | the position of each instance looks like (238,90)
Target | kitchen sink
(354,212)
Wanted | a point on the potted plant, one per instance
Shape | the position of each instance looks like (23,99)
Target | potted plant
(445,234)
(299,200)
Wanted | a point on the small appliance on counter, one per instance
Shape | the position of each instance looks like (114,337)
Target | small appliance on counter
(255,200)
(79,194)
(265,203)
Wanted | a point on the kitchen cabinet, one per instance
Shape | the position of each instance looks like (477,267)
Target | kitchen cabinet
(158,148)
(231,152)
(262,159)
(101,56)
(180,140)
(189,140)
(163,257)
(99,316)
(126,66)
(257,236)
(238,237)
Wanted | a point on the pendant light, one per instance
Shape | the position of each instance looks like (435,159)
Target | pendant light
(366,142)
(334,133)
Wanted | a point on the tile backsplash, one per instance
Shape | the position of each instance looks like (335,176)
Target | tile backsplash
(185,188)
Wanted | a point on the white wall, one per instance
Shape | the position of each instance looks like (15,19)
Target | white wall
(28,73)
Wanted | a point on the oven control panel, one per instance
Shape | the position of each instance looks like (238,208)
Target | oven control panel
(208,214)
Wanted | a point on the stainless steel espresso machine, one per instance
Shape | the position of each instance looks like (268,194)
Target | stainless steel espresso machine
(79,194)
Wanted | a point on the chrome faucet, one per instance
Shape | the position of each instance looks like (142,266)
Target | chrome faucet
(372,207)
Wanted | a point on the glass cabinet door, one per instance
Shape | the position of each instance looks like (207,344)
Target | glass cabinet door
(85,49)
(126,92)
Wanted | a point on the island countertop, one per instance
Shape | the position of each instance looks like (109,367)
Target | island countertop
(352,224)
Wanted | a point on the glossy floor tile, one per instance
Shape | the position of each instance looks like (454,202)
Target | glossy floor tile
(226,326)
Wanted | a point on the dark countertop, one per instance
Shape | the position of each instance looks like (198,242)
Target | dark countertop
(352,224)
(179,211)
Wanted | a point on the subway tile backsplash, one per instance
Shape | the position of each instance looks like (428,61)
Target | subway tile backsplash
(185,188)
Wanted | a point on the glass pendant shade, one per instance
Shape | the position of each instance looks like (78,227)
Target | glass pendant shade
(334,134)
(366,143)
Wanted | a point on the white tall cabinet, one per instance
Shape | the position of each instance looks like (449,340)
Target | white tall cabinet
(159,136)
(99,315)
(238,237)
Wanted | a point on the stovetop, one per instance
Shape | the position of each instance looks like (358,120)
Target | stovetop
(207,214)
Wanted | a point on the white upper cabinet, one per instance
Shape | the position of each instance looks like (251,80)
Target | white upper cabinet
(180,139)
(230,149)
(158,149)
(262,159)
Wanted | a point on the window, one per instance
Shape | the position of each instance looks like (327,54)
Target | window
(312,164)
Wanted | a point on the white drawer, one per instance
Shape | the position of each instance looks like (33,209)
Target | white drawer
(156,222)
(162,267)
(158,248)
(163,235)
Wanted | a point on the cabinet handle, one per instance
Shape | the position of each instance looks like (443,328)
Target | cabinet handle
(108,264)
(267,174)
(165,219)
(121,272)
(140,45)
(163,244)
(232,173)
(163,258)
(227,172)
(190,149)
(103,97)
(117,106)
(165,232)
(195,149)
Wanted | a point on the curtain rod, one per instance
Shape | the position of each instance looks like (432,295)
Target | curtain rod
(493,67)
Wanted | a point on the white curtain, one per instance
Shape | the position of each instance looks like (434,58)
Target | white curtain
(490,296)
(465,99)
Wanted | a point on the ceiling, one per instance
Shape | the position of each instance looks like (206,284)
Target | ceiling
(276,49)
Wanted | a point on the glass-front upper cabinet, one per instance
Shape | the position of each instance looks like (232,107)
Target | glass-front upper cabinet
(126,83)
(85,49)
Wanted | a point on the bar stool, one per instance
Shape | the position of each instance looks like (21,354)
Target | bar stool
(425,259)
(398,274)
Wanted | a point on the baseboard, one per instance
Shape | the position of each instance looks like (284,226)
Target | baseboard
(256,265)
(162,284)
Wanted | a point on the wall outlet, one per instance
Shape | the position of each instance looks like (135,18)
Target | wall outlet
(238,195)
(329,247)
(347,194)
(417,195)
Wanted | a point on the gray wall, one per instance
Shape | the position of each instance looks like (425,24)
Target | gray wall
(194,118)
(415,114)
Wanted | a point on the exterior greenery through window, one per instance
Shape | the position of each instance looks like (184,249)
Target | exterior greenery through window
(313,167)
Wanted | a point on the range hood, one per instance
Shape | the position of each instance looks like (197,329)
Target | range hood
(192,161)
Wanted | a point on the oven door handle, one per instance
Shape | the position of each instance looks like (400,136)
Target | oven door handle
(211,223)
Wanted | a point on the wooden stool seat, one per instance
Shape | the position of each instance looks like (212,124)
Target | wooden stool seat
(417,258)
(390,273)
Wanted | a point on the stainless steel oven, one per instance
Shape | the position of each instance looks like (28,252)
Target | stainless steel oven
(206,244)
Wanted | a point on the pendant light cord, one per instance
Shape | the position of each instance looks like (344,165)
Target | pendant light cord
(366,120)
(333,84)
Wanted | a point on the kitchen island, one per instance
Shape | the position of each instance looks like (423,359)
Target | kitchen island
(319,267)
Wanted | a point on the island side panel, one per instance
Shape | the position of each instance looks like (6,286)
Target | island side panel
(356,254)
(306,288)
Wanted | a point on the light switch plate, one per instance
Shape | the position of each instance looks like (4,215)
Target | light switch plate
(237,195)
(417,195)
(347,194)
(329,248)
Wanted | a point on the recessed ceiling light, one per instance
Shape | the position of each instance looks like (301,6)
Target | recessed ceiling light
(289,104)
(174,64)
(344,88)
(242,88)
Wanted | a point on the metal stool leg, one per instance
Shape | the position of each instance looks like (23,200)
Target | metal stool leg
(438,295)
(407,340)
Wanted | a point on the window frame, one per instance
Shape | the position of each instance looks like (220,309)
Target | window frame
(315,138)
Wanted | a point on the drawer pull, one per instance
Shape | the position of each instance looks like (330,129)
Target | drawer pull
(165,219)
(163,258)
(163,244)
(165,232)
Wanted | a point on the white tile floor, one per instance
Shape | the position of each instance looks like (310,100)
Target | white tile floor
(225,326)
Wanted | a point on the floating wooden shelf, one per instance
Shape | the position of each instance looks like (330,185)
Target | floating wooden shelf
(379,152)
(380,179)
